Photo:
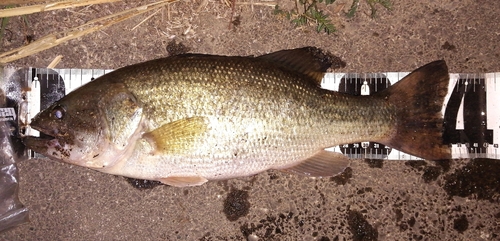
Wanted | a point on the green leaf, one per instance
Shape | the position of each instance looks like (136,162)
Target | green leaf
(353,9)
(311,13)
(3,26)
(386,3)
(277,10)
(3,23)
(322,20)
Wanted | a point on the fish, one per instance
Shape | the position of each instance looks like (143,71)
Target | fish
(186,119)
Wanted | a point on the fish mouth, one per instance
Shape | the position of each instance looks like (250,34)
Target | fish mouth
(40,144)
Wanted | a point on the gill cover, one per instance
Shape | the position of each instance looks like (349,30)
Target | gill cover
(122,114)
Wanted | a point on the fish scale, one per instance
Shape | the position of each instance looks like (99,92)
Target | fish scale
(197,117)
(260,98)
(316,118)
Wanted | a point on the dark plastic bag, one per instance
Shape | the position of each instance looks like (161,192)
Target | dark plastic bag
(12,211)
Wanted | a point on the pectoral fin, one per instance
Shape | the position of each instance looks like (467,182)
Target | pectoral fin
(322,164)
(183,181)
(177,137)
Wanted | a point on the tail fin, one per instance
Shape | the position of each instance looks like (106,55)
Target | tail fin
(418,99)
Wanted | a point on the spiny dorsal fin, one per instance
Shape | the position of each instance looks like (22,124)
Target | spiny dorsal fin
(310,61)
(177,137)
(322,164)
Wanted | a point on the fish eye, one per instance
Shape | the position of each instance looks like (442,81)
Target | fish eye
(58,112)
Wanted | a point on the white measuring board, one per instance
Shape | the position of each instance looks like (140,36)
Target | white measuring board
(471,109)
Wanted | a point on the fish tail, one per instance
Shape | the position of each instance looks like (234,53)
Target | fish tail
(418,100)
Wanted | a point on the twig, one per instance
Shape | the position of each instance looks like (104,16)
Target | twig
(52,40)
(233,6)
(10,12)
(54,62)
(146,19)
(267,4)
(16,2)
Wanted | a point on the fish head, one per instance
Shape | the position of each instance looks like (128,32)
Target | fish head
(87,128)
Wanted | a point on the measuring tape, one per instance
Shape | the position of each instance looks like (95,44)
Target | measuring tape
(471,109)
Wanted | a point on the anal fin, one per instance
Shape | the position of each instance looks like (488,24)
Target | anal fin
(183,181)
(322,164)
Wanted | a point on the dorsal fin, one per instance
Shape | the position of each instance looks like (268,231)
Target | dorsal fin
(310,61)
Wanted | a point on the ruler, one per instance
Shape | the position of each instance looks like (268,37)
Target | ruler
(471,110)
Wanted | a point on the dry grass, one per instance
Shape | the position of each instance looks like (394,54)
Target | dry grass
(55,39)
(15,2)
(10,12)
(54,62)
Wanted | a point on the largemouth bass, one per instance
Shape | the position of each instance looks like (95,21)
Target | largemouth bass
(186,119)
